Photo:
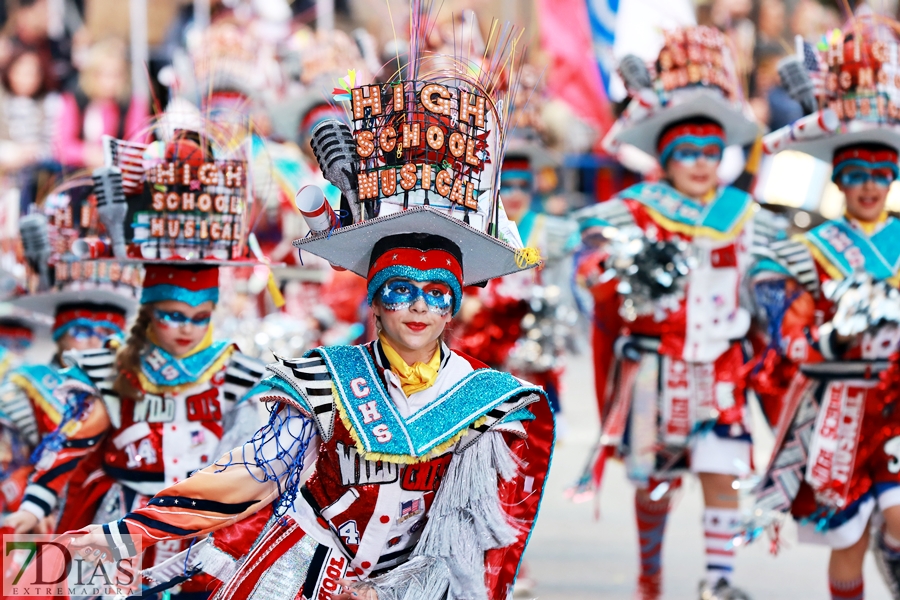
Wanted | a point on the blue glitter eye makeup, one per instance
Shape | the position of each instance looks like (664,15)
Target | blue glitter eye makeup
(82,332)
(400,294)
(177,319)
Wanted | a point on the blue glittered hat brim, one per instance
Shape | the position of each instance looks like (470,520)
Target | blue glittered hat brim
(484,257)
(418,275)
(707,103)
(46,303)
(850,134)
(165,291)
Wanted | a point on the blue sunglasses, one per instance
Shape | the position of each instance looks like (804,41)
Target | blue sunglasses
(856,176)
(177,319)
(401,294)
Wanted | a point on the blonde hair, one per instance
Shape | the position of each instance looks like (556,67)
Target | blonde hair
(128,359)
(104,50)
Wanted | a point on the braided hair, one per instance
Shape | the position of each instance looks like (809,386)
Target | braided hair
(128,359)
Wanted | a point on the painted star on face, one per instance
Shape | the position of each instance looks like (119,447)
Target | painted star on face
(423,258)
(394,257)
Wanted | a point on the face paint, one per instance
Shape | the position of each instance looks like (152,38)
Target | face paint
(399,294)
(177,319)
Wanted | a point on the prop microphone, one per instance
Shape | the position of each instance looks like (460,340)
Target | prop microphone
(111,206)
(634,73)
(36,244)
(796,80)
(315,209)
(335,150)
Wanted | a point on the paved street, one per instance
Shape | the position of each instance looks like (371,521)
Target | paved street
(574,557)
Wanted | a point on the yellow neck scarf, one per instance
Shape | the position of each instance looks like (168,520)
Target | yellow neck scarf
(868,226)
(420,376)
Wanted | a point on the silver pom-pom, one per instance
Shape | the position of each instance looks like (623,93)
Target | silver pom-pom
(546,330)
(863,303)
(652,273)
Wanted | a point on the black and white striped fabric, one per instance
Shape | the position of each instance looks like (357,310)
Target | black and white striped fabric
(100,367)
(15,406)
(615,212)
(241,374)
(795,256)
(309,377)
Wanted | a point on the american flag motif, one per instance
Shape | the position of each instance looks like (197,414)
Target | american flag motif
(411,508)
(811,62)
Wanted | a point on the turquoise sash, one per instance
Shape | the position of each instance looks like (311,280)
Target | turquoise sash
(849,249)
(723,214)
(380,427)
(43,379)
(166,370)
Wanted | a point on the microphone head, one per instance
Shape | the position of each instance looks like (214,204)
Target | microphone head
(108,185)
(332,143)
(35,235)
(796,80)
(634,72)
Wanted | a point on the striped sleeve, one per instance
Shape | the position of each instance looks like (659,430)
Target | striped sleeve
(54,468)
(19,412)
(789,257)
(611,213)
(239,484)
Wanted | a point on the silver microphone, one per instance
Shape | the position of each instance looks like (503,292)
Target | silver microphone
(796,80)
(112,206)
(335,150)
(36,244)
(634,72)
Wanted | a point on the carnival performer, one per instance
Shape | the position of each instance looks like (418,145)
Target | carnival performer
(87,310)
(171,399)
(493,330)
(394,469)
(838,439)
(676,403)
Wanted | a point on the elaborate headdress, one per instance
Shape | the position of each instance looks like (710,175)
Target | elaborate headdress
(850,87)
(421,165)
(693,77)
(64,281)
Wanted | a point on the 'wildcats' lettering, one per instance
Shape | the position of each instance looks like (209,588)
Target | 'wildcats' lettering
(154,409)
(358,471)
(425,477)
(204,406)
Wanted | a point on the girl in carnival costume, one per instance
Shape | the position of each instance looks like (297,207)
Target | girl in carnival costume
(676,403)
(86,312)
(832,283)
(394,469)
(171,399)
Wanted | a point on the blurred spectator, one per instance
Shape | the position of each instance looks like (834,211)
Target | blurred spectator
(102,105)
(771,103)
(772,23)
(28,26)
(27,119)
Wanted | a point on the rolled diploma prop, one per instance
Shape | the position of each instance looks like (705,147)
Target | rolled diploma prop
(319,216)
(811,127)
